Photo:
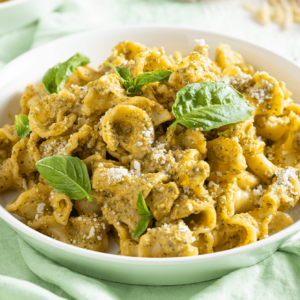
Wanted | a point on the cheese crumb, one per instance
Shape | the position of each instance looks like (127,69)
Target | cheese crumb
(40,208)
(92,232)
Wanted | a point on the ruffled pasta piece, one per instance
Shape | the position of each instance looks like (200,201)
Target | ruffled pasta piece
(62,207)
(81,77)
(33,203)
(25,155)
(6,175)
(239,230)
(154,110)
(103,94)
(49,226)
(225,57)
(129,128)
(89,233)
(225,156)
(51,116)
(81,143)
(31,96)
(8,137)
(54,145)
(122,53)
(173,240)
(271,127)
(150,60)
(283,194)
(192,69)
(121,190)
(199,215)
(265,95)
(204,242)
(161,199)
(90,208)
(285,152)
(194,139)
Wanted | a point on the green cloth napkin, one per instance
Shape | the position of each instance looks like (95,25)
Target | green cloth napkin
(26,274)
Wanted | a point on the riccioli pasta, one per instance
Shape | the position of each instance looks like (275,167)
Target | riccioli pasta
(172,155)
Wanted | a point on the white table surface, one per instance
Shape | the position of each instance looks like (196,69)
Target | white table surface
(231,18)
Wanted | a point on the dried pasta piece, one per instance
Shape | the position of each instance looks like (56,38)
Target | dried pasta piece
(173,240)
(225,57)
(51,116)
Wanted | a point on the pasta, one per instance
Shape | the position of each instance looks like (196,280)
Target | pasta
(283,12)
(203,190)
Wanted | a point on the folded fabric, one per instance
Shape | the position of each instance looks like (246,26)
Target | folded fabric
(80,15)
(28,274)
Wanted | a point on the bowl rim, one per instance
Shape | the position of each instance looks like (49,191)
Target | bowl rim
(16,224)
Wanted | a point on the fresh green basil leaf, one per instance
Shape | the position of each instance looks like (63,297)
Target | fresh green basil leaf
(56,77)
(67,175)
(146,78)
(141,226)
(124,75)
(134,86)
(22,126)
(143,211)
(209,105)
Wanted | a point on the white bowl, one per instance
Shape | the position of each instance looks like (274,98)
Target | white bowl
(97,45)
(17,13)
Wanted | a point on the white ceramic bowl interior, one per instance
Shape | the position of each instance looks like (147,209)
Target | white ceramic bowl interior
(17,13)
(97,45)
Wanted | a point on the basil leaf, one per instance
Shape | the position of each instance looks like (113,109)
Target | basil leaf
(209,105)
(145,78)
(56,77)
(133,87)
(22,126)
(67,175)
(123,73)
(143,211)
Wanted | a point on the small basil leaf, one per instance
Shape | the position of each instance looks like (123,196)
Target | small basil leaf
(143,211)
(56,77)
(209,105)
(22,126)
(141,226)
(124,75)
(67,175)
(145,78)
